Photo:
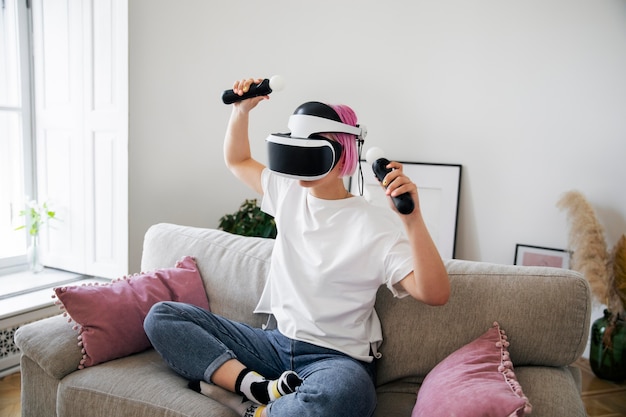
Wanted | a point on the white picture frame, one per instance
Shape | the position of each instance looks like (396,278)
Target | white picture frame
(438,187)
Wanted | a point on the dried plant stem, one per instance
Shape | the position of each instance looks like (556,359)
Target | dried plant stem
(586,241)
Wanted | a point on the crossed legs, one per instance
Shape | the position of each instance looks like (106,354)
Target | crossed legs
(210,349)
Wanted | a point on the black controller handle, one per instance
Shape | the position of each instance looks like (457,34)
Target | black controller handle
(403,202)
(265,87)
(255,90)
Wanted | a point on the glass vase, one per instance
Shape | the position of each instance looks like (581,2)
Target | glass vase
(33,255)
(607,356)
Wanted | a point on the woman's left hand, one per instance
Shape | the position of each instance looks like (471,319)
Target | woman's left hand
(397,183)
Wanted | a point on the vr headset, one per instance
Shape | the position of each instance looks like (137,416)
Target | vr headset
(304,154)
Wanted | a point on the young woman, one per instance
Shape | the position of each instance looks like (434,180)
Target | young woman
(332,253)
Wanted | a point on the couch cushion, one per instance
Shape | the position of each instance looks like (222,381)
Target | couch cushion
(140,385)
(393,404)
(110,317)
(552,391)
(475,381)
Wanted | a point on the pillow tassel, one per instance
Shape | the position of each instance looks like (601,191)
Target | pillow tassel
(179,264)
(81,364)
(83,351)
(506,369)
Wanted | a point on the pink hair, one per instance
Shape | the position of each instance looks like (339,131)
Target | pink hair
(350,156)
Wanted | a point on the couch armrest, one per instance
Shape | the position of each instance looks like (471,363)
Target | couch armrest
(52,344)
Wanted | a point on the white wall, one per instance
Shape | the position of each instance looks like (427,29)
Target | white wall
(529,96)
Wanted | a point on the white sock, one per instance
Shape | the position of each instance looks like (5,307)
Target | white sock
(237,403)
(263,391)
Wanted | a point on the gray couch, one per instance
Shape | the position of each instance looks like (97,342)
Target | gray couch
(544,311)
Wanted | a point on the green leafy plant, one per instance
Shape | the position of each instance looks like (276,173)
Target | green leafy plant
(36,215)
(249,220)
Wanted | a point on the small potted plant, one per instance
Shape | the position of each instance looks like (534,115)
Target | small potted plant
(36,216)
(249,220)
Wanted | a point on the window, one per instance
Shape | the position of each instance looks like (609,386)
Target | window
(73,150)
(15,129)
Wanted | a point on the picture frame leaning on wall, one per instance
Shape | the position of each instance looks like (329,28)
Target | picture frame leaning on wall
(439,190)
(529,255)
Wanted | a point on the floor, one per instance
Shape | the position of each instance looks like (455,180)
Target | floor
(10,396)
(602,398)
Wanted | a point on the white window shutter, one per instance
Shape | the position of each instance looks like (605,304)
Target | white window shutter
(81,111)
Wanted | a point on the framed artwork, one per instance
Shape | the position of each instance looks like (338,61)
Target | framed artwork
(438,187)
(528,255)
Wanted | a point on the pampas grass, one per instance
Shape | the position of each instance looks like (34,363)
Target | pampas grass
(586,243)
(605,271)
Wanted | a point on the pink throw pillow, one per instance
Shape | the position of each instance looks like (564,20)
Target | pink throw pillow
(110,317)
(475,381)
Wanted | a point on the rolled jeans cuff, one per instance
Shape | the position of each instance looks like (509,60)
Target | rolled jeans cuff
(217,363)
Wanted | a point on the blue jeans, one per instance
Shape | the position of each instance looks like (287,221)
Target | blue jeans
(195,342)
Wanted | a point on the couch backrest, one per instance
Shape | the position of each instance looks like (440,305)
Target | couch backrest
(545,311)
(233,267)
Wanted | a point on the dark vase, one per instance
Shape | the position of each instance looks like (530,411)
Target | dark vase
(607,356)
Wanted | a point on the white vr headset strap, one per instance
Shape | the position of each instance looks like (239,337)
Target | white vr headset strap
(304,125)
(300,142)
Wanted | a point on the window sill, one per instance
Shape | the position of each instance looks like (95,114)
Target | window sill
(26,297)
(24,292)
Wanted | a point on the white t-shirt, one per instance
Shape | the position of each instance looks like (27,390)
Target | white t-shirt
(329,259)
